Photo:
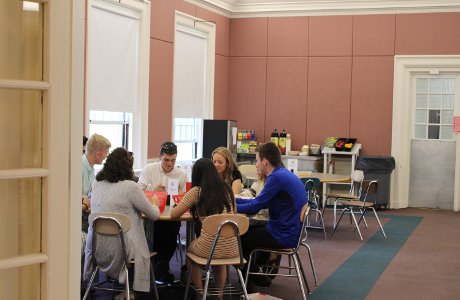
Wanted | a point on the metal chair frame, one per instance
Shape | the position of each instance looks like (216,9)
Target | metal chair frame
(228,227)
(311,185)
(291,253)
(354,193)
(112,224)
(370,187)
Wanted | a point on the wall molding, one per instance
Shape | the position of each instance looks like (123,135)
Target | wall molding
(271,8)
(405,66)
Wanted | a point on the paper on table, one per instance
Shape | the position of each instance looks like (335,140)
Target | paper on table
(292,165)
(173,186)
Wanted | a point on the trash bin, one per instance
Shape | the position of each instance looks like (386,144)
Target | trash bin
(378,168)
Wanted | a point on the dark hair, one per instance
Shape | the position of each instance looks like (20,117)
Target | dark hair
(270,152)
(85,139)
(215,194)
(168,148)
(117,167)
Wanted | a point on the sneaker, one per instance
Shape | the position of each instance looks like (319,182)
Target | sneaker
(261,280)
(163,273)
(167,277)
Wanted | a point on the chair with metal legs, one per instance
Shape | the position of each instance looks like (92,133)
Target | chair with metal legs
(354,193)
(227,226)
(311,186)
(360,206)
(290,253)
(113,224)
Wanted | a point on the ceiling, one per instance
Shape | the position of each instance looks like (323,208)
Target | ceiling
(253,8)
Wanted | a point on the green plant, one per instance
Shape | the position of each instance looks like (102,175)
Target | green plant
(330,142)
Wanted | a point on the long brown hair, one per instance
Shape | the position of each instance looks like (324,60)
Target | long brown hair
(231,164)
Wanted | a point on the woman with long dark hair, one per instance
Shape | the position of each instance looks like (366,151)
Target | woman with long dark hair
(209,195)
(116,191)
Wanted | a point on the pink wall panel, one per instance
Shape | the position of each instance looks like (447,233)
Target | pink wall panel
(428,33)
(328,104)
(248,37)
(160,98)
(163,15)
(280,40)
(222,29)
(373,35)
(330,36)
(286,102)
(246,100)
(221,88)
(371,105)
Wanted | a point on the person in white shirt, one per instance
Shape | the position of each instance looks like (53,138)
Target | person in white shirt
(160,175)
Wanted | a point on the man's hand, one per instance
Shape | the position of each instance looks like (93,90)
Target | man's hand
(85,203)
(160,188)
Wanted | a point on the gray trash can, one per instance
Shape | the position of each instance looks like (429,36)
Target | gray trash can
(378,168)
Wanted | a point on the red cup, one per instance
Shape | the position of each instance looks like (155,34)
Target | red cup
(162,196)
(177,198)
(188,186)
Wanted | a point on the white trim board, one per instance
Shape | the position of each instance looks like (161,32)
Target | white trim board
(274,8)
(404,68)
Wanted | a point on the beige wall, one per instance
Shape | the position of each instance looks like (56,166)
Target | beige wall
(314,76)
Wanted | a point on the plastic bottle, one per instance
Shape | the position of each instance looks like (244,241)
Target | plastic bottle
(275,137)
(282,142)
(253,135)
(240,135)
(288,143)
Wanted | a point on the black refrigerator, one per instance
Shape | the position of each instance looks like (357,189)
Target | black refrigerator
(219,133)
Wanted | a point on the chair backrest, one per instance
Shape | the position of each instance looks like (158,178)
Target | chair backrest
(212,223)
(247,169)
(357,177)
(303,219)
(109,222)
(311,185)
(226,225)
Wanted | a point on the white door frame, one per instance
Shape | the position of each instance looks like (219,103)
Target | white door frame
(404,68)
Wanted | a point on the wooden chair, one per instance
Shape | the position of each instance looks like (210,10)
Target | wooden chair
(354,193)
(222,225)
(360,206)
(114,224)
(290,253)
(247,170)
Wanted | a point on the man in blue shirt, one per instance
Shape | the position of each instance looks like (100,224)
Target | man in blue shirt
(284,196)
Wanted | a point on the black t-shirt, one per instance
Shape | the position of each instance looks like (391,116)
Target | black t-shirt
(236,174)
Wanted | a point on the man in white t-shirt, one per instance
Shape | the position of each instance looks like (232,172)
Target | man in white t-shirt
(160,175)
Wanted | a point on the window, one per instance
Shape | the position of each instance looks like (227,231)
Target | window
(193,82)
(118,74)
(434,107)
(187,137)
(116,126)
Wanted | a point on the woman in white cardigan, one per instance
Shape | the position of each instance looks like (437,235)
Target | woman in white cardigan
(115,191)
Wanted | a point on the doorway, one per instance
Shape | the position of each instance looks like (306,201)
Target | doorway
(432,165)
(426,97)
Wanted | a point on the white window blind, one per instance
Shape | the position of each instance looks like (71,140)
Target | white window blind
(190,52)
(112,60)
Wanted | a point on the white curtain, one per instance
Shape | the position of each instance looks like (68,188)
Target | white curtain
(112,60)
(189,73)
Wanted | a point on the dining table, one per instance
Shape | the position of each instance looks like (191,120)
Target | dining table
(323,178)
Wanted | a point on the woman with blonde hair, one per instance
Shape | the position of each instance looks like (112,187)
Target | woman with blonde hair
(227,168)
